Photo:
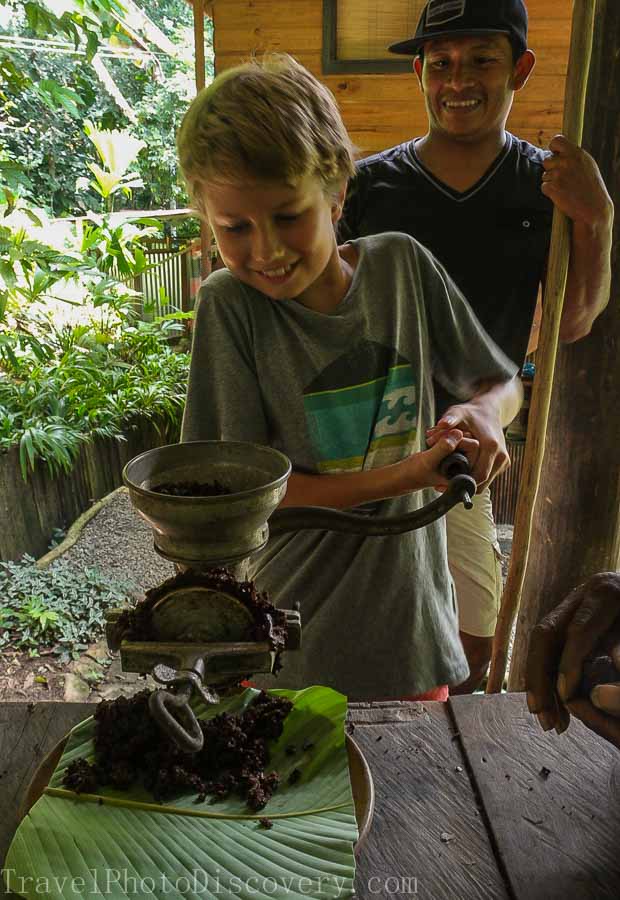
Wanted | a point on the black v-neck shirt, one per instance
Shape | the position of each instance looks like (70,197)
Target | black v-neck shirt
(493,238)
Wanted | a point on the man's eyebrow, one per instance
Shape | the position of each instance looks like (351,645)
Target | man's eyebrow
(488,44)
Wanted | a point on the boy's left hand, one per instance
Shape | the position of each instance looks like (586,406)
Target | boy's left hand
(477,421)
(574,184)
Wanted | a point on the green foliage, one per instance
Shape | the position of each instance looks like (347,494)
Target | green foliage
(46,97)
(56,607)
(76,359)
(118,151)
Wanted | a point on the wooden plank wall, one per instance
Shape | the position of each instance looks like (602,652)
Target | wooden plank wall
(31,510)
(382,110)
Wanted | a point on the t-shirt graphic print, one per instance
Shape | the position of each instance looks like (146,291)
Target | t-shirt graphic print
(362,410)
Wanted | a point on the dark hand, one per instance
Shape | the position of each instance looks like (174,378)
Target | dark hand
(585,624)
(574,184)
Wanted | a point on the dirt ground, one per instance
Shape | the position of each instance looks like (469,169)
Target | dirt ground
(19,674)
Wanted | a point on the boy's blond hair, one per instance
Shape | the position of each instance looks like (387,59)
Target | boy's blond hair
(268,119)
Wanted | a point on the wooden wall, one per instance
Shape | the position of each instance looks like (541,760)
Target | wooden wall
(31,510)
(382,110)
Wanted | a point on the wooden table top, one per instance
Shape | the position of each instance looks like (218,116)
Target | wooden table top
(473,799)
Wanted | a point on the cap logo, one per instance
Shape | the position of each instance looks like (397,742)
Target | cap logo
(438,12)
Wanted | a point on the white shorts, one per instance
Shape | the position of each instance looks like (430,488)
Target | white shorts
(474,557)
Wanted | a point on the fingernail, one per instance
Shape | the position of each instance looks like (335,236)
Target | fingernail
(561,687)
(546,719)
(606,697)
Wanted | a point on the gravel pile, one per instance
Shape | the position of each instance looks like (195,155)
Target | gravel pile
(119,543)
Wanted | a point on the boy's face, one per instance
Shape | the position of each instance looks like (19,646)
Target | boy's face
(468,84)
(277,238)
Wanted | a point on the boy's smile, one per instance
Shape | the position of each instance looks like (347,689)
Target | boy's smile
(468,84)
(280,238)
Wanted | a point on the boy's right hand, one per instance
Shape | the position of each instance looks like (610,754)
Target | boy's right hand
(423,468)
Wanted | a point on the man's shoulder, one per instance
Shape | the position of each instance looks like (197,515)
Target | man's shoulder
(398,156)
(529,154)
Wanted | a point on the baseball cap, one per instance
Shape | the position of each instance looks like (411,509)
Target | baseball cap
(453,18)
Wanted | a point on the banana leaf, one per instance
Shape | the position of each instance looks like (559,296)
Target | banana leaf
(124,844)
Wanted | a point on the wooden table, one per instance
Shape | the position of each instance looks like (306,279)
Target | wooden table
(473,800)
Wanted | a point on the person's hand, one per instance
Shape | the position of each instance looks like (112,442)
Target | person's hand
(478,421)
(422,469)
(573,182)
(587,622)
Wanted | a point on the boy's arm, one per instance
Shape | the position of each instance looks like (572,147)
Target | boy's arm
(347,490)
(493,406)
(573,182)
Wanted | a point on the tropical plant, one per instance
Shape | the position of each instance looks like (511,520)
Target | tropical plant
(58,72)
(118,151)
(58,607)
(76,359)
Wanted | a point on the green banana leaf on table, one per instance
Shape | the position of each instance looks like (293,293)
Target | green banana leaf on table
(124,844)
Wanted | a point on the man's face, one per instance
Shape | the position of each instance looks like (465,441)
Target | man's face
(468,84)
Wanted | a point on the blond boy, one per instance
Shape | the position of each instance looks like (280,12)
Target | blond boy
(327,353)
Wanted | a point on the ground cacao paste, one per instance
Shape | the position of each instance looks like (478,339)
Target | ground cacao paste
(192,489)
(130,749)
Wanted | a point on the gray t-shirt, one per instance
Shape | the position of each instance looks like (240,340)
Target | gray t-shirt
(343,392)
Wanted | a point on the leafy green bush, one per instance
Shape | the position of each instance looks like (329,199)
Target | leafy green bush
(57,607)
(76,359)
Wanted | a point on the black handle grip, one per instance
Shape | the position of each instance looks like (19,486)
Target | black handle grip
(454,464)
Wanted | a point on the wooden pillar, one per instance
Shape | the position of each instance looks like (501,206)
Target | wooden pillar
(576,528)
(199,67)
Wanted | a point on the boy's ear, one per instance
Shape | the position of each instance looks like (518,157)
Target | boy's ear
(523,69)
(338,203)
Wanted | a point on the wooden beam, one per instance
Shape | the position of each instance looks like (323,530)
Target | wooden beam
(199,43)
(199,65)
(553,300)
(577,522)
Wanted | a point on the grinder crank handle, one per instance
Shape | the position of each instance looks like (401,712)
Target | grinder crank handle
(461,489)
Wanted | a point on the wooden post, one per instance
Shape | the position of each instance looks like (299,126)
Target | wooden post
(557,269)
(577,521)
(199,66)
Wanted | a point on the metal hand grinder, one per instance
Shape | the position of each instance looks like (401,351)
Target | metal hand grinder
(199,630)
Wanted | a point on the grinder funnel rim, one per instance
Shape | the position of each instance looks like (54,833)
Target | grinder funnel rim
(217,499)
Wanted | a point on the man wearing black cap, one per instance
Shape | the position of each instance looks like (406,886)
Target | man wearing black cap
(482,201)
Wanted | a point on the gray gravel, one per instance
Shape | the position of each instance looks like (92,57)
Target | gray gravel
(119,543)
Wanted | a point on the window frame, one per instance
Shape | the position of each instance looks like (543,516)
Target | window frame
(331,65)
